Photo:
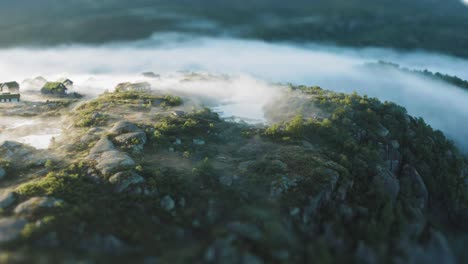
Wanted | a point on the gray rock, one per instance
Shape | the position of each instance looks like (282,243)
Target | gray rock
(36,203)
(167,203)
(7,199)
(123,127)
(10,228)
(103,145)
(113,161)
(386,183)
(123,180)
(104,243)
(21,155)
(2,173)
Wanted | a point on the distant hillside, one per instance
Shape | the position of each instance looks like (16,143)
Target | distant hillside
(416,24)
(454,80)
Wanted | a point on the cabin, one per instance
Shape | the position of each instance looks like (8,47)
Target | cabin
(54,88)
(67,82)
(135,87)
(9,98)
(10,87)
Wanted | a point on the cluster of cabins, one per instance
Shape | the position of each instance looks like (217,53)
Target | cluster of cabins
(10,91)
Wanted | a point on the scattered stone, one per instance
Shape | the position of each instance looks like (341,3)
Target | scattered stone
(178,141)
(10,228)
(281,186)
(7,199)
(123,180)
(35,203)
(167,203)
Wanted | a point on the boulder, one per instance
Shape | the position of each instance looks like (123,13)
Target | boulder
(123,180)
(2,173)
(103,145)
(245,230)
(7,199)
(21,155)
(114,161)
(244,166)
(30,206)
(123,127)
(10,228)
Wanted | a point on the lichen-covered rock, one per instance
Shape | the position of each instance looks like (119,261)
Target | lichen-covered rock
(123,180)
(134,140)
(30,206)
(10,228)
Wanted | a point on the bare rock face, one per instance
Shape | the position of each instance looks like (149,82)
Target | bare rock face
(10,228)
(387,183)
(30,206)
(413,188)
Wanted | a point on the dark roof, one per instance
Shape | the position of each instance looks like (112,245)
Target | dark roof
(11,84)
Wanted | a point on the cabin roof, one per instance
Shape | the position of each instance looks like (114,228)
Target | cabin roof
(54,86)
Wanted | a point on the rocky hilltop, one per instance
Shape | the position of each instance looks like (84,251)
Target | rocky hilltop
(145,177)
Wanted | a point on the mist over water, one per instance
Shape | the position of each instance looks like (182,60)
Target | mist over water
(254,67)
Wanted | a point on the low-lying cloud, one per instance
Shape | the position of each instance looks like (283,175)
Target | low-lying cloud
(256,64)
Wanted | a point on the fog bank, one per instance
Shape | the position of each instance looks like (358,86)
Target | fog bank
(254,65)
